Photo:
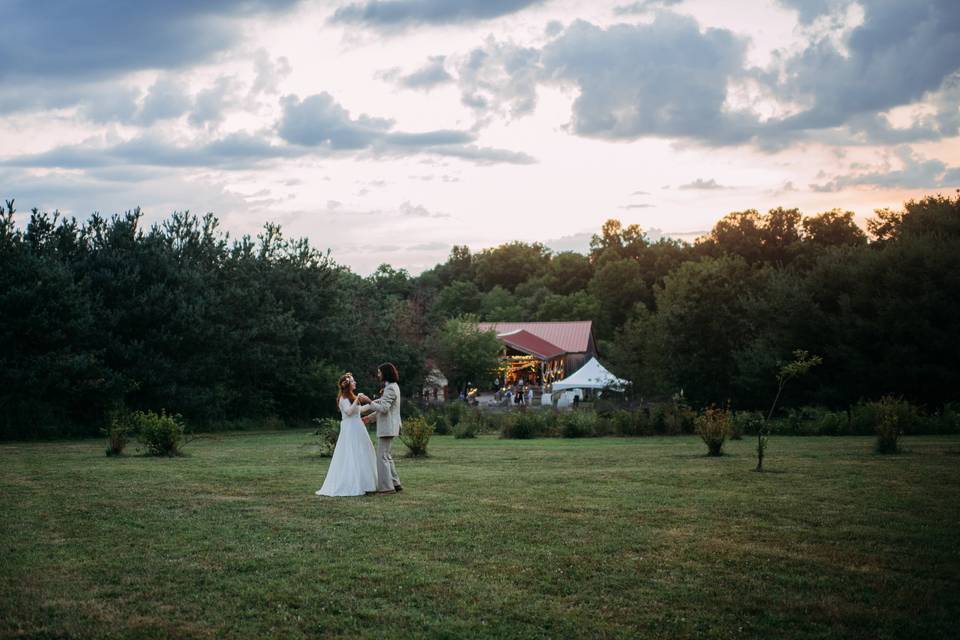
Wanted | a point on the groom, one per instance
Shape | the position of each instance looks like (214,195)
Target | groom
(387,410)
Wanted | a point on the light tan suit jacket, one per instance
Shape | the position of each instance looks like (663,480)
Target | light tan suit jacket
(387,407)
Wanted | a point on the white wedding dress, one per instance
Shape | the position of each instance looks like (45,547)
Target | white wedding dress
(353,469)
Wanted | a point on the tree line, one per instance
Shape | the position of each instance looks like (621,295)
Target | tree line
(179,316)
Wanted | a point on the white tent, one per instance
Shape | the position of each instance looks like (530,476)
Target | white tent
(592,375)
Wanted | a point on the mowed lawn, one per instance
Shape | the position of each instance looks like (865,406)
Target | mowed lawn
(611,537)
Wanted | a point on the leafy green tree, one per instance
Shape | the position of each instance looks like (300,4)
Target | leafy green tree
(568,273)
(499,305)
(459,266)
(833,229)
(699,324)
(465,353)
(458,298)
(617,286)
(738,233)
(510,265)
(616,242)
(579,305)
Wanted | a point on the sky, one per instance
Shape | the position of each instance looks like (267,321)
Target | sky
(389,130)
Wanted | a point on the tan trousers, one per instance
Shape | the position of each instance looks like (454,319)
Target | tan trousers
(387,477)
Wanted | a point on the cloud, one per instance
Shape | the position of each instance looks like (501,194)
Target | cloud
(388,14)
(409,210)
(786,187)
(579,242)
(319,121)
(269,73)
(210,103)
(810,10)
(900,52)
(915,172)
(667,79)
(484,155)
(942,121)
(95,40)
(168,97)
(655,234)
(233,151)
(672,79)
(500,78)
(316,125)
(643,7)
(428,76)
(429,138)
(637,206)
(160,191)
(701,184)
(429,246)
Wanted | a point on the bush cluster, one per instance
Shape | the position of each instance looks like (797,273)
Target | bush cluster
(671,418)
(328,430)
(891,416)
(415,434)
(161,433)
(120,427)
(713,427)
(469,426)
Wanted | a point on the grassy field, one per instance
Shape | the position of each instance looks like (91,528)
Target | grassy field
(492,538)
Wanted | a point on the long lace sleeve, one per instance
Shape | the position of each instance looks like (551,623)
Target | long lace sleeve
(347,408)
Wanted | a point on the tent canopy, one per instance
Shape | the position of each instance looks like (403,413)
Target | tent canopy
(592,375)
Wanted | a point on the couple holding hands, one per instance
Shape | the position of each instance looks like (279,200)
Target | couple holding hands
(355,468)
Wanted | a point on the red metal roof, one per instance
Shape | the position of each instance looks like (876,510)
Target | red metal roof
(525,341)
(572,337)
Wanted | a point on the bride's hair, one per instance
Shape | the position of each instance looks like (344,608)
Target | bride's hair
(344,390)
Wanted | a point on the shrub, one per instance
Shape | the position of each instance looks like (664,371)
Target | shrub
(745,423)
(328,430)
(713,426)
(455,411)
(831,423)
(625,423)
(162,433)
(528,424)
(578,424)
(435,417)
(468,427)
(410,409)
(947,420)
(673,418)
(658,420)
(415,434)
(120,425)
(892,415)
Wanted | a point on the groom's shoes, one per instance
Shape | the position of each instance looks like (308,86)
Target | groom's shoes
(397,487)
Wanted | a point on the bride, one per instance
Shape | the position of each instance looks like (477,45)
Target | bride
(353,469)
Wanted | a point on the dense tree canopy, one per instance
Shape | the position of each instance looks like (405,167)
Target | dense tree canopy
(181,317)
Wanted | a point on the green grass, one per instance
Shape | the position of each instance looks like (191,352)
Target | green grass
(492,538)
